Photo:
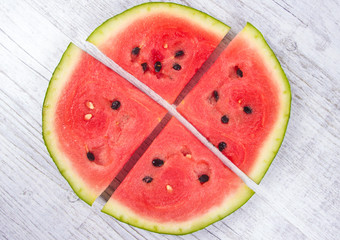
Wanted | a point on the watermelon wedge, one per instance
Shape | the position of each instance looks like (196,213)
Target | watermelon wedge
(93,121)
(178,186)
(242,104)
(161,44)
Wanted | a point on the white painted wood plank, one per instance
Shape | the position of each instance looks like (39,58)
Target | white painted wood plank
(28,32)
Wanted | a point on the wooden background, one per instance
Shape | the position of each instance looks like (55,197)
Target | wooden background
(303,181)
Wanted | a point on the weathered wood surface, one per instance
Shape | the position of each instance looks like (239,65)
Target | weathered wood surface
(303,181)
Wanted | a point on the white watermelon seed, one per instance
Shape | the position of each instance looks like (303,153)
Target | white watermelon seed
(169,188)
(88,116)
(89,105)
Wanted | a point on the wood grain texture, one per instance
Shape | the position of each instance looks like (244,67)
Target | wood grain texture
(37,203)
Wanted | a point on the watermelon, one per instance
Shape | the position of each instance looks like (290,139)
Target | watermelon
(178,186)
(242,104)
(93,121)
(161,44)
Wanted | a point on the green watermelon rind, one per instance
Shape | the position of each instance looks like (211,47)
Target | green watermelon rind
(59,79)
(274,141)
(230,205)
(114,25)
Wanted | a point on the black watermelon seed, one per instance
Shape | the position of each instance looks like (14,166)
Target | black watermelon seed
(203,178)
(224,119)
(158,66)
(135,51)
(157,162)
(222,146)
(147,179)
(90,156)
(115,105)
(239,72)
(247,110)
(215,95)
(145,67)
(177,67)
(179,53)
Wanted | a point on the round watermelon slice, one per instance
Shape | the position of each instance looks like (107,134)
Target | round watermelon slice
(242,104)
(93,121)
(161,44)
(178,186)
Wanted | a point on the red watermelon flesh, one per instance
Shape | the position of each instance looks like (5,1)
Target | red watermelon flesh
(162,46)
(88,127)
(242,103)
(177,186)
